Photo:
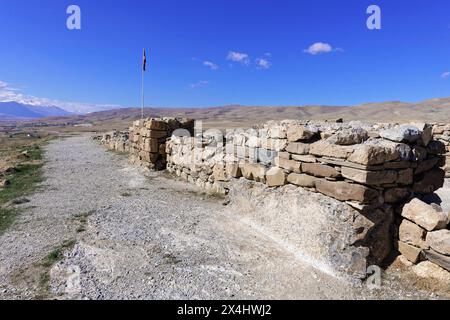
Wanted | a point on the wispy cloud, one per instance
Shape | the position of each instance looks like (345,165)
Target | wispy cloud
(210,65)
(239,57)
(445,75)
(200,84)
(321,47)
(10,93)
(263,63)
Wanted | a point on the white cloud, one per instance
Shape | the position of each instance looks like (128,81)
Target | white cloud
(210,65)
(445,75)
(263,63)
(200,84)
(9,93)
(238,57)
(320,47)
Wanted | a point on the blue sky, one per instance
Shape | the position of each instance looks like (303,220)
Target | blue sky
(100,64)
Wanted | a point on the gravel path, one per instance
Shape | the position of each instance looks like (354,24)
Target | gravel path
(148,237)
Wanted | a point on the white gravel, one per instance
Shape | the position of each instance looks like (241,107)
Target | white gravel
(149,237)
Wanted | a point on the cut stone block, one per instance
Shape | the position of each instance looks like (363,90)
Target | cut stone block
(302,180)
(345,191)
(424,215)
(320,170)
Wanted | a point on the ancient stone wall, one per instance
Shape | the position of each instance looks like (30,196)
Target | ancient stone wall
(344,194)
(373,168)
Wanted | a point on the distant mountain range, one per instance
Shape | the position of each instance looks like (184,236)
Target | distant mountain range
(15,110)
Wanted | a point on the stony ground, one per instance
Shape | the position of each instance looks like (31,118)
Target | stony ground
(150,237)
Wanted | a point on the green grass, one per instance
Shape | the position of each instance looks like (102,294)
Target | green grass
(22,182)
(47,263)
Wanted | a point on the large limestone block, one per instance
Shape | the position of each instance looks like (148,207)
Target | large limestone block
(289,165)
(274,144)
(345,191)
(325,149)
(275,177)
(151,145)
(424,215)
(370,177)
(320,170)
(298,148)
(233,170)
(374,153)
(304,158)
(349,136)
(298,132)
(302,180)
(220,174)
(439,241)
(409,252)
(402,133)
(412,234)
(253,171)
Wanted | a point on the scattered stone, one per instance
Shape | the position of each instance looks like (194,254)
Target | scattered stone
(412,234)
(424,215)
(275,177)
(302,180)
(409,252)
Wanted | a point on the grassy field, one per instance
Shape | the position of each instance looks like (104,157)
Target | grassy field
(21,160)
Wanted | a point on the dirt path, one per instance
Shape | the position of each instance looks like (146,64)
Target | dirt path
(148,237)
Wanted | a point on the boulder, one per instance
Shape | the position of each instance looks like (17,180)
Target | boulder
(302,180)
(439,241)
(275,177)
(424,215)
(325,149)
(298,148)
(376,152)
(349,136)
(320,170)
(156,125)
(402,133)
(298,132)
(289,165)
(370,177)
(412,234)
(304,158)
(409,252)
(345,191)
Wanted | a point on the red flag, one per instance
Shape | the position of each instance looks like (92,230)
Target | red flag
(144,62)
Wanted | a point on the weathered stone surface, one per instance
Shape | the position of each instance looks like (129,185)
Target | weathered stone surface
(375,153)
(284,155)
(436,147)
(427,165)
(429,181)
(298,148)
(289,165)
(412,234)
(274,144)
(439,241)
(156,125)
(304,158)
(370,177)
(437,258)
(349,136)
(424,215)
(302,180)
(345,191)
(298,132)
(151,145)
(405,177)
(402,133)
(253,171)
(428,269)
(320,170)
(275,177)
(267,157)
(409,252)
(323,148)
(277,132)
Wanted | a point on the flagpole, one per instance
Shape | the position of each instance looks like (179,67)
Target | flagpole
(142,88)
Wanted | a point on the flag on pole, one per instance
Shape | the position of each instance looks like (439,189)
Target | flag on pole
(144,62)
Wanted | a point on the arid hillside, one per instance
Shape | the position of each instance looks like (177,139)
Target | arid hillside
(434,110)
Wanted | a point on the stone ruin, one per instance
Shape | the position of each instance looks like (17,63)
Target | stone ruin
(345,195)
